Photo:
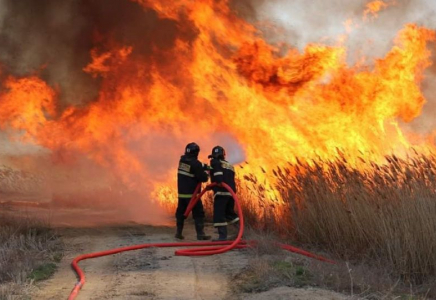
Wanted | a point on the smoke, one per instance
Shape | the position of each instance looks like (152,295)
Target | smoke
(44,37)
(324,21)
(54,38)
(297,24)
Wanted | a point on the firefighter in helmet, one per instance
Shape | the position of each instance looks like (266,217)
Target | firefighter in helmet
(190,172)
(223,204)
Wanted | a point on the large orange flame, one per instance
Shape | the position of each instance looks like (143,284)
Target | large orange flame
(219,82)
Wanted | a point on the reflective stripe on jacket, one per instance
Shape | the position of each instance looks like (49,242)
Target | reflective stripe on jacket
(189,173)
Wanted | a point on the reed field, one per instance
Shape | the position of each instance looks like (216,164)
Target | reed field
(387,211)
(381,214)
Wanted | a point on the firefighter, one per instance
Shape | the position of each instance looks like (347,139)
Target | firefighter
(190,172)
(223,204)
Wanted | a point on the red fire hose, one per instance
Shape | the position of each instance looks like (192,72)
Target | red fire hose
(214,247)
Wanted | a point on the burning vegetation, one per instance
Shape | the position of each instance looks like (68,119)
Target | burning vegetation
(324,140)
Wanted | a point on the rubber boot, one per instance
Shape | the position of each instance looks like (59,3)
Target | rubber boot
(222,234)
(199,227)
(179,231)
(235,228)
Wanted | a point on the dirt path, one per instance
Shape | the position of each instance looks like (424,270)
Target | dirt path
(142,274)
(155,274)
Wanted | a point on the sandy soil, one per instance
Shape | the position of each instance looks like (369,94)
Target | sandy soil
(153,273)
(142,274)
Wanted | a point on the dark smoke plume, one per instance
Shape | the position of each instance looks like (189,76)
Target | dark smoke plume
(54,39)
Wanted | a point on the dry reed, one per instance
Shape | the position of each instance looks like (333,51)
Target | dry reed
(24,245)
(381,211)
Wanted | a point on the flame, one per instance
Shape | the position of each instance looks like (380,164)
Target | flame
(26,105)
(373,7)
(223,80)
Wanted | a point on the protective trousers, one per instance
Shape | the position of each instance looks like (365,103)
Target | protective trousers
(231,215)
(197,213)
(219,216)
(219,209)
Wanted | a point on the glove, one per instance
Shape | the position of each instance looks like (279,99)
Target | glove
(206,167)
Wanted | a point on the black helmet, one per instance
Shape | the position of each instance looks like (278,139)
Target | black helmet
(192,149)
(218,152)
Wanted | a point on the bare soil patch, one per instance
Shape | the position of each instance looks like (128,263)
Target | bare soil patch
(154,273)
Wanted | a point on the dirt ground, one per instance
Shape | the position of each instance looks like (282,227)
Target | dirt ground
(142,274)
(153,273)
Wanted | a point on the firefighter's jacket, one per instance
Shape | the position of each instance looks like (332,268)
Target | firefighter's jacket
(222,171)
(189,174)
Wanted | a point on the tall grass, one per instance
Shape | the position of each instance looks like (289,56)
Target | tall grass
(24,245)
(379,211)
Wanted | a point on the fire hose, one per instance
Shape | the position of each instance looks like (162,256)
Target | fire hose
(217,247)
